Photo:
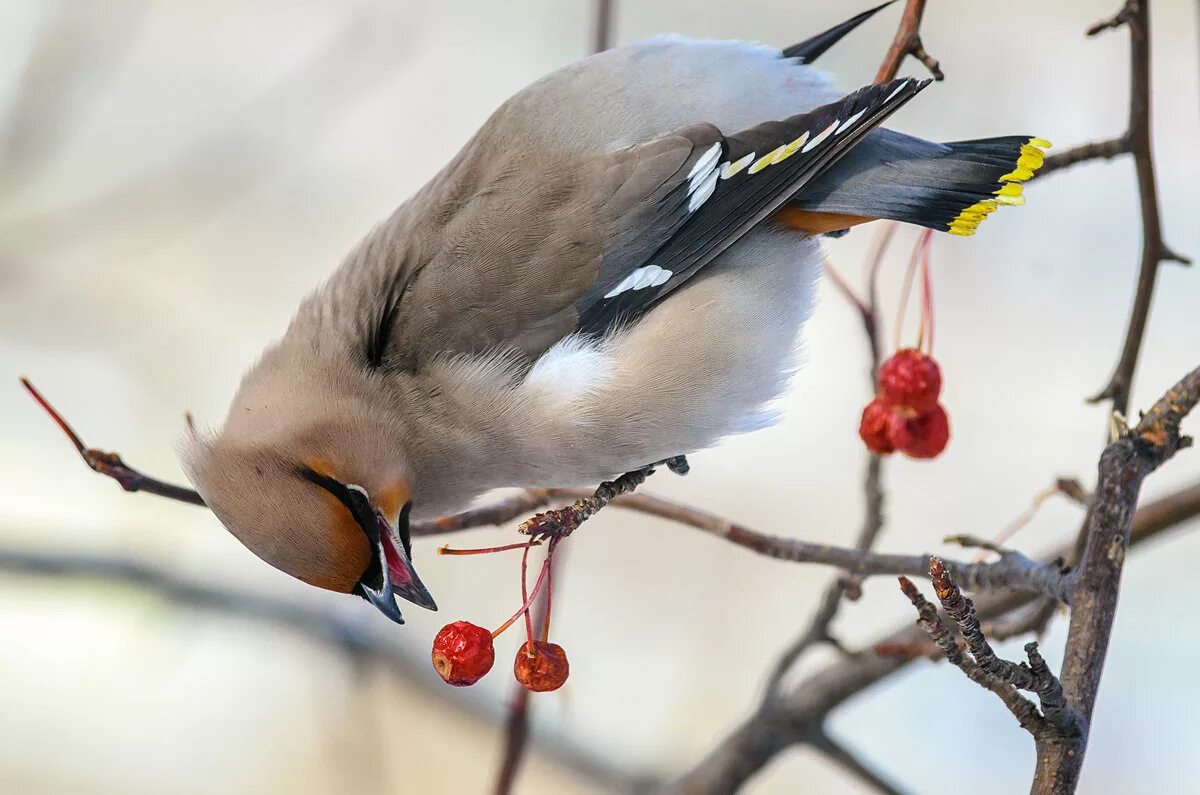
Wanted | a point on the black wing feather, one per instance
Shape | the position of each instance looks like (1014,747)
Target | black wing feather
(742,199)
(813,48)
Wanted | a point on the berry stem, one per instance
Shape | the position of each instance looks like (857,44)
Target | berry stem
(448,550)
(927,289)
(524,610)
(549,589)
(905,290)
(525,595)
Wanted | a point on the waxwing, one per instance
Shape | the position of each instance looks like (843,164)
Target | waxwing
(613,271)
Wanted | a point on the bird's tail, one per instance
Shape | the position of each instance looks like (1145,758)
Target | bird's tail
(948,187)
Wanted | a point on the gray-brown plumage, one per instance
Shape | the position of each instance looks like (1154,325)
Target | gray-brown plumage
(613,271)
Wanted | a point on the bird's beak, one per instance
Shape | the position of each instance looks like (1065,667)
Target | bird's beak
(399,578)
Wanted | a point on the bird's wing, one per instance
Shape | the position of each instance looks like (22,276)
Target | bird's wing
(728,188)
(532,251)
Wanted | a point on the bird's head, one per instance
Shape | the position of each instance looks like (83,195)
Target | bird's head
(327,503)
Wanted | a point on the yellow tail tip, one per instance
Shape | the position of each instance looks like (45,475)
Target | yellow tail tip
(1010,192)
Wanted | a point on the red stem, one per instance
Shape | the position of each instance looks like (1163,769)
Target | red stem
(525,595)
(905,291)
(549,589)
(54,415)
(448,550)
(524,611)
(927,287)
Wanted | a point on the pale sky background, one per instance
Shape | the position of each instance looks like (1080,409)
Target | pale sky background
(212,161)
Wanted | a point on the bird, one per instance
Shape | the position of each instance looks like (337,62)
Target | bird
(615,270)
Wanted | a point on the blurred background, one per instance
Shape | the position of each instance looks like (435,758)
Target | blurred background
(175,177)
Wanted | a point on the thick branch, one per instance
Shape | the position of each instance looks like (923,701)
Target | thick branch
(803,709)
(1097,581)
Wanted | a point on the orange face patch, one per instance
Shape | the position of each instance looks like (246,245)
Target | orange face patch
(349,543)
(393,499)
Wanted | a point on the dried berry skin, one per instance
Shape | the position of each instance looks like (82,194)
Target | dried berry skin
(463,653)
(873,427)
(930,433)
(884,428)
(541,667)
(911,380)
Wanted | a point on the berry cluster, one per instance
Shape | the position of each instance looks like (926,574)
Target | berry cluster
(905,414)
(463,652)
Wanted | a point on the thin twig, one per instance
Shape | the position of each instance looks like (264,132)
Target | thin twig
(1135,14)
(1099,150)
(908,42)
(1022,708)
(1034,678)
(516,738)
(873,496)
(847,760)
(603,25)
(110,464)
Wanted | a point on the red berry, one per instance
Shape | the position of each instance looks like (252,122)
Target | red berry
(541,667)
(911,380)
(883,428)
(929,434)
(463,653)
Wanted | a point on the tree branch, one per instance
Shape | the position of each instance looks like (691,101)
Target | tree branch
(320,620)
(847,760)
(804,707)
(1022,708)
(1099,150)
(873,497)
(1135,14)
(1097,581)
(908,42)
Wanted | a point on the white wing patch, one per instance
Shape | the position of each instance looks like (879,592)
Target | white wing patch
(848,123)
(645,276)
(702,179)
(897,90)
(815,142)
(704,190)
(703,165)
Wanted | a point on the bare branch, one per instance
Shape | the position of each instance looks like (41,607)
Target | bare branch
(873,497)
(1099,150)
(1122,17)
(804,707)
(847,760)
(516,739)
(1035,678)
(1022,708)
(332,620)
(908,42)
(603,25)
(1123,466)
(110,464)
(1135,14)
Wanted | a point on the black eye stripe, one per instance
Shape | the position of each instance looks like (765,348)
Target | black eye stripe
(356,503)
